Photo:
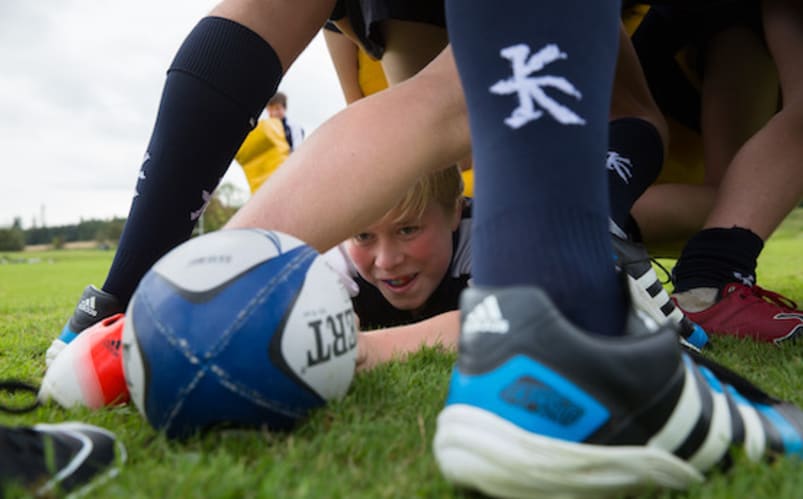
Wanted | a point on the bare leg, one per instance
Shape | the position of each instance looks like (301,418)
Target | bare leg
(344,54)
(715,275)
(631,95)
(637,132)
(668,214)
(739,93)
(287,26)
(217,85)
(764,181)
(409,46)
(671,213)
(357,165)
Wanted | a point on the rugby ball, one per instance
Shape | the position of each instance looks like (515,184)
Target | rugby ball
(239,327)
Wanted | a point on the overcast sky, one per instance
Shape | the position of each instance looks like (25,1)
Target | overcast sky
(80,82)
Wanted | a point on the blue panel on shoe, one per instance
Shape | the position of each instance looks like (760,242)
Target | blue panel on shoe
(67,335)
(698,337)
(712,380)
(738,397)
(789,435)
(533,397)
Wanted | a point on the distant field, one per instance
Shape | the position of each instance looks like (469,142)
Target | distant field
(76,245)
(374,444)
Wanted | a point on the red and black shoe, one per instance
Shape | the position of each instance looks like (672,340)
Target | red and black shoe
(749,312)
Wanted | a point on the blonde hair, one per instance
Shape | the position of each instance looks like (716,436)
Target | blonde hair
(444,187)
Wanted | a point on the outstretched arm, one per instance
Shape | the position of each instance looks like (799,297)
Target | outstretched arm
(384,345)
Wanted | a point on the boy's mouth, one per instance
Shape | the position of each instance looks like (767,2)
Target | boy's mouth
(399,282)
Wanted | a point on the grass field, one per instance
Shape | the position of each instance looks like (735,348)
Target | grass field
(374,443)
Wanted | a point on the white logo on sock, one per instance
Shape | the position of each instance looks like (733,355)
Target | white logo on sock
(486,317)
(141,174)
(87,305)
(530,90)
(746,279)
(619,164)
(207,197)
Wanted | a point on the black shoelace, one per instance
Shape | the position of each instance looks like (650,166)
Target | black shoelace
(12,387)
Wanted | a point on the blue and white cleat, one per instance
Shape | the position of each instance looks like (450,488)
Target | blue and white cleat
(539,408)
(649,295)
(93,306)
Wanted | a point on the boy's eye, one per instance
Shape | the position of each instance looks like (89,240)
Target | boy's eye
(409,230)
(363,237)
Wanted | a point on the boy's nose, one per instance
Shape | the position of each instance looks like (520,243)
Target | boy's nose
(388,256)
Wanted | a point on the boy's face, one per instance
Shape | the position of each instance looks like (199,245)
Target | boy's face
(406,260)
(276,111)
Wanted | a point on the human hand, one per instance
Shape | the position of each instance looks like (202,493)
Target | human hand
(368,351)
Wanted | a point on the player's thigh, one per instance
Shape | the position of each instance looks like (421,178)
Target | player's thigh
(409,46)
(631,94)
(783,28)
(288,26)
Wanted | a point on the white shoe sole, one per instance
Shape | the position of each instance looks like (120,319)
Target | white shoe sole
(53,351)
(478,449)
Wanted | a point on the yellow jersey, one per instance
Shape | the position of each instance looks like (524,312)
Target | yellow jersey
(262,151)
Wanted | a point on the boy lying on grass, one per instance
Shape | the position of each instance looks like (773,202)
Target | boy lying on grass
(408,270)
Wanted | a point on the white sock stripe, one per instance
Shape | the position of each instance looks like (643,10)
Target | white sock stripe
(677,428)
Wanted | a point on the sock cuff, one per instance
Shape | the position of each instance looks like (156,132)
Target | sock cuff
(714,257)
(636,130)
(634,160)
(232,59)
(736,238)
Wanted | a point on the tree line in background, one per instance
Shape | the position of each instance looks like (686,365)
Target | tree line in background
(106,233)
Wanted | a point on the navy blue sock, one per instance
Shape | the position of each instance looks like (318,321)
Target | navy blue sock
(635,157)
(216,87)
(715,257)
(541,211)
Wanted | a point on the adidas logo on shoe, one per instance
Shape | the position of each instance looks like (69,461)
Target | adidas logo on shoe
(486,317)
(87,305)
(94,305)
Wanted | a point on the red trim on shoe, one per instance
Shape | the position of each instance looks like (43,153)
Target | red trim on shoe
(107,360)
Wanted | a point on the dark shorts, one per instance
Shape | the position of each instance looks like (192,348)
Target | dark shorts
(365,16)
(673,28)
(699,22)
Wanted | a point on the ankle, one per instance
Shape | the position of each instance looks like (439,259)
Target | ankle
(696,299)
